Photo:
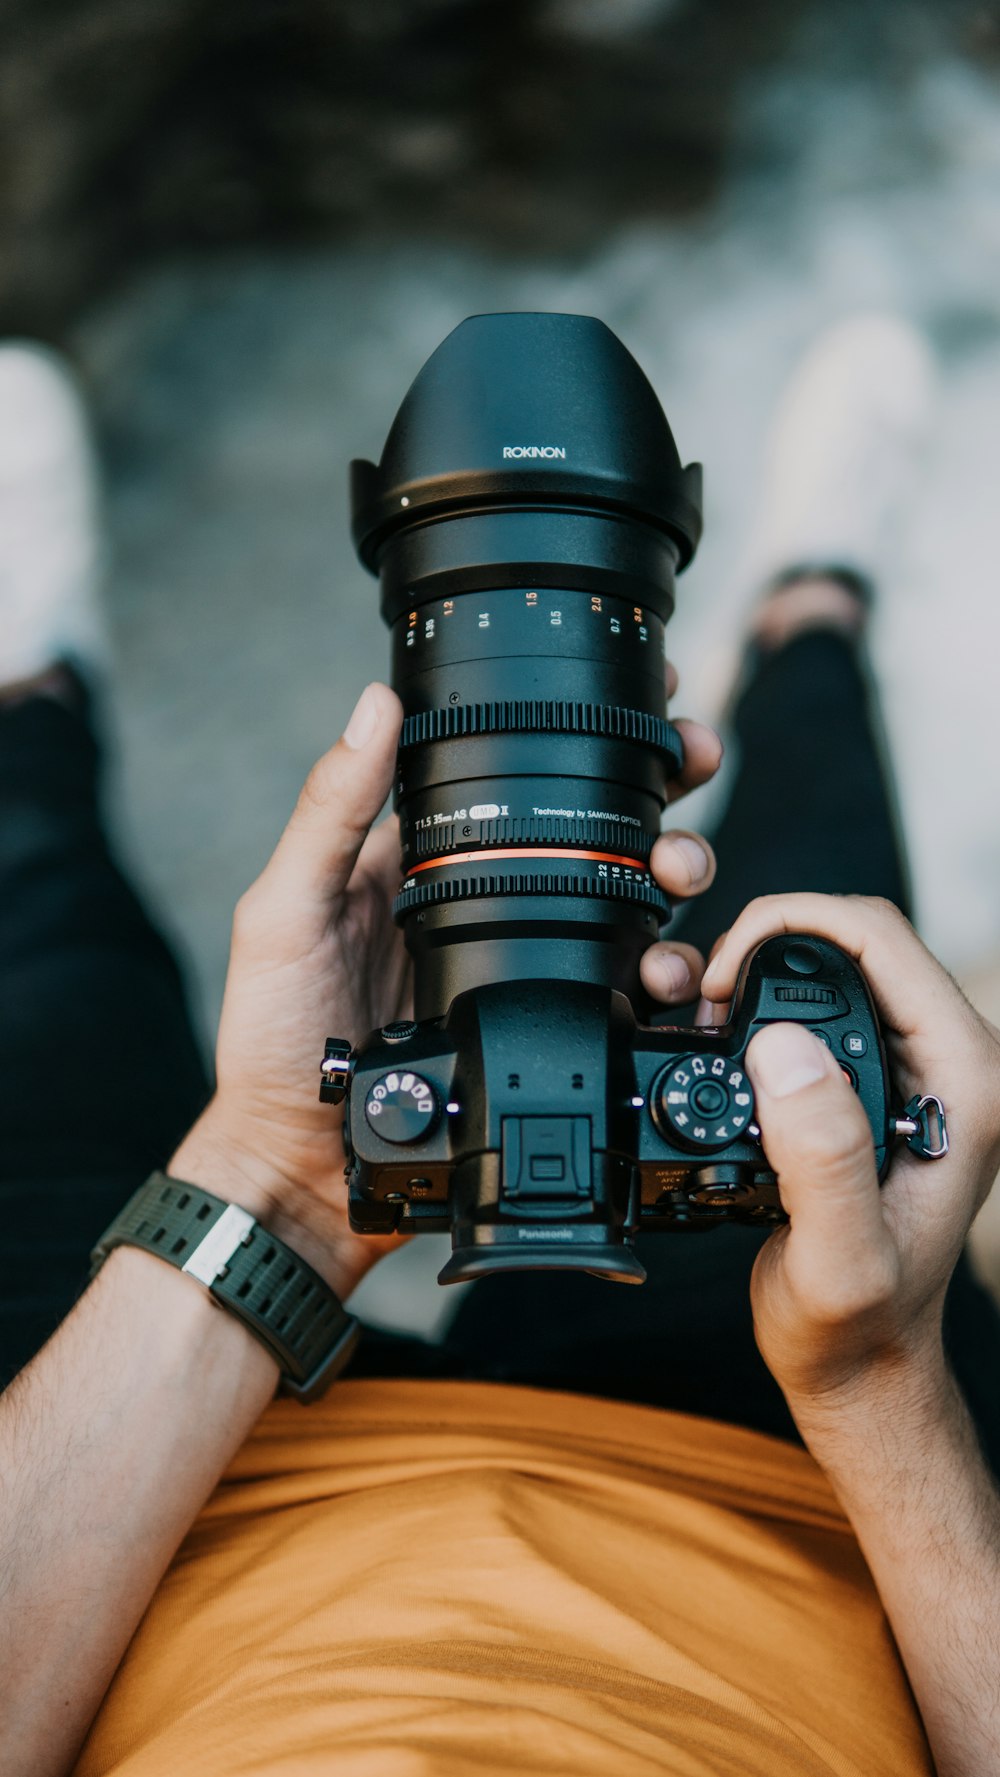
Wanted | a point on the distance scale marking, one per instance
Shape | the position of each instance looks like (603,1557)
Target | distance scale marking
(549,608)
(604,868)
(535,872)
(601,858)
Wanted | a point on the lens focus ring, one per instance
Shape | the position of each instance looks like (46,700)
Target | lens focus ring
(470,885)
(545,716)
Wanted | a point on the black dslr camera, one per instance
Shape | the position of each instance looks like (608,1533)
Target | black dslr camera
(526,521)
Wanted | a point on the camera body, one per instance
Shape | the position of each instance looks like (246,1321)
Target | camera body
(527,521)
(546,1128)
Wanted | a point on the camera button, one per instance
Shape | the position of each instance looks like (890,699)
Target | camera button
(802,959)
(401,1108)
(709,1099)
(703,1101)
(716,1187)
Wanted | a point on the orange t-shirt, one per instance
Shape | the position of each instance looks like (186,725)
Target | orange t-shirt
(432,1579)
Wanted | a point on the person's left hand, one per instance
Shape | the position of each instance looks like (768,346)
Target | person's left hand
(315,953)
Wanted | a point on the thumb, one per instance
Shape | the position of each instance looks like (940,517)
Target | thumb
(818,1140)
(339,801)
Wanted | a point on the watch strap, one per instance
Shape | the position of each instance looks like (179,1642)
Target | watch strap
(250,1272)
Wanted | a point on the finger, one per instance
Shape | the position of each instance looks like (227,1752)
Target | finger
(379,859)
(908,983)
(818,1140)
(670,972)
(339,801)
(716,947)
(702,758)
(712,1011)
(673,679)
(682,862)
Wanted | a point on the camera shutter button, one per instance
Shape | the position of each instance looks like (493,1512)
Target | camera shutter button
(802,959)
(401,1107)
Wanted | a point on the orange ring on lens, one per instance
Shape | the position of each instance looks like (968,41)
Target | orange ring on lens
(528,851)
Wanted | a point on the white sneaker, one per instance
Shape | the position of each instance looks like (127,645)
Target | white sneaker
(843,452)
(50,539)
(839,468)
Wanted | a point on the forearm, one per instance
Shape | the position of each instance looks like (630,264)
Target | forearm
(926,1511)
(110,1442)
(113,1438)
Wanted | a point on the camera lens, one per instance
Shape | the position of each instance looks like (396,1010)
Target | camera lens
(526,521)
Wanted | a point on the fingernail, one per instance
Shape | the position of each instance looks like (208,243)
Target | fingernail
(674,970)
(364,718)
(785,1058)
(709,1014)
(695,857)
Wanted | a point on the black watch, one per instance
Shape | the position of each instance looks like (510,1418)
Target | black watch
(277,1296)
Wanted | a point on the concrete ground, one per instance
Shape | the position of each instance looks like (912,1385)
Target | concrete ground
(231,395)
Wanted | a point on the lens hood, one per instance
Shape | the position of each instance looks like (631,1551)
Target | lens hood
(527,411)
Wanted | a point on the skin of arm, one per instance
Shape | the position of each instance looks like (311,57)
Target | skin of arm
(911,1477)
(116,1433)
(848,1302)
(114,1436)
(111,1446)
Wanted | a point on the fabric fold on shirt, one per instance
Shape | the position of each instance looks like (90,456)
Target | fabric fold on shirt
(437,1578)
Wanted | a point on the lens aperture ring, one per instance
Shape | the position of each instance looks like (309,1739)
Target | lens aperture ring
(638,888)
(545,716)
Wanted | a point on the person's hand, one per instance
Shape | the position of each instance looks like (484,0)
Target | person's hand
(848,1297)
(315,953)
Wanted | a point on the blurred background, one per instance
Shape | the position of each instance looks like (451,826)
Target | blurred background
(249,221)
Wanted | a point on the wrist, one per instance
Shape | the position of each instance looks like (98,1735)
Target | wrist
(212,1156)
(881,1415)
(193,1340)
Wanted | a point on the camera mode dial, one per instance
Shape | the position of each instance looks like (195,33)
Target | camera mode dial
(703,1101)
(401,1107)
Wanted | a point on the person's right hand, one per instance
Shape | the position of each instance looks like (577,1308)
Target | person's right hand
(848,1297)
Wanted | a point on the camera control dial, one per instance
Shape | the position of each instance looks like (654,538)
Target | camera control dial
(702,1101)
(401,1107)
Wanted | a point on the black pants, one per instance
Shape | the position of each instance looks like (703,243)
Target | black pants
(100,1073)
